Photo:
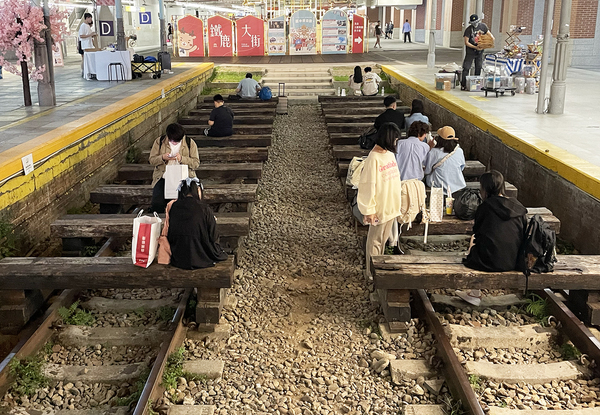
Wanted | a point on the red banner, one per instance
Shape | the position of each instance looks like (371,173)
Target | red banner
(358,34)
(190,37)
(220,36)
(250,36)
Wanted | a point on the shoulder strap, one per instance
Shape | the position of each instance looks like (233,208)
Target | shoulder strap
(188,140)
(446,157)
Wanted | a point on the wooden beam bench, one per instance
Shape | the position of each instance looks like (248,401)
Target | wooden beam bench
(119,272)
(353,99)
(352,119)
(248,110)
(354,128)
(237,120)
(113,196)
(358,110)
(238,129)
(246,140)
(397,274)
(255,102)
(473,169)
(227,154)
(143,172)
(121,225)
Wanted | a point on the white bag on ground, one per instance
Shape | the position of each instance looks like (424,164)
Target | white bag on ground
(355,169)
(174,174)
(146,230)
(436,204)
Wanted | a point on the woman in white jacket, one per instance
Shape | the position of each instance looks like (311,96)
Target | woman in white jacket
(379,190)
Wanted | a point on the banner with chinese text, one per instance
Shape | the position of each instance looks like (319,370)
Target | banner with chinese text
(250,36)
(334,32)
(358,34)
(220,36)
(190,37)
(276,36)
(303,33)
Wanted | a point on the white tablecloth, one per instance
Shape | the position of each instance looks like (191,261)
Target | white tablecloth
(97,63)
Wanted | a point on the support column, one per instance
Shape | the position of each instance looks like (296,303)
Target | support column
(44,57)
(432,27)
(541,102)
(466,15)
(479,8)
(559,76)
(120,26)
(161,17)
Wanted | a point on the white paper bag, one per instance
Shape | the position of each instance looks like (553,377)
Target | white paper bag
(174,174)
(436,204)
(146,230)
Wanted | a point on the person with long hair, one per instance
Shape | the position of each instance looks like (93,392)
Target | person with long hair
(192,232)
(355,81)
(498,232)
(379,190)
(445,162)
(416,113)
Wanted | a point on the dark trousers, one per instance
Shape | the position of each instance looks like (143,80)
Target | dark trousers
(468,62)
(407,35)
(159,203)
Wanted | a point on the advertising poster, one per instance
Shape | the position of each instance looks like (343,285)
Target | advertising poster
(334,29)
(276,36)
(190,37)
(303,33)
(220,36)
(250,36)
(358,34)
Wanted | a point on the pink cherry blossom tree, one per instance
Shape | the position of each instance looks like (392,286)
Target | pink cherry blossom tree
(21,24)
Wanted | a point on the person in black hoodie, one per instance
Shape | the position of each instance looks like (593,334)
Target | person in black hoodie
(498,231)
(192,231)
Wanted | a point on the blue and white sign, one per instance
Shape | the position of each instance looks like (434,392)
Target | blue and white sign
(334,31)
(145,18)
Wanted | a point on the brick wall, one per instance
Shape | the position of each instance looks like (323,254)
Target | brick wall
(488,12)
(373,15)
(420,19)
(439,15)
(457,16)
(583,18)
(525,15)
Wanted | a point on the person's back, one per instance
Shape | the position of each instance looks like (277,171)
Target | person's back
(445,163)
(248,87)
(417,116)
(391,114)
(411,152)
(192,233)
(371,82)
(220,120)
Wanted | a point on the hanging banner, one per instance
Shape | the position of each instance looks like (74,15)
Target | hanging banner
(190,37)
(276,36)
(250,36)
(57,55)
(334,32)
(303,33)
(220,36)
(358,34)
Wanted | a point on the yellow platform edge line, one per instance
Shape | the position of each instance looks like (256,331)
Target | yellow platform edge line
(52,141)
(581,173)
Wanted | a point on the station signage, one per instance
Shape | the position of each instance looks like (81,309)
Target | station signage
(145,18)
(250,36)
(358,34)
(190,37)
(276,36)
(107,27)
(334,30)
(220,36)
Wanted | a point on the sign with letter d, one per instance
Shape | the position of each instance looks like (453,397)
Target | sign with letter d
(106,28)
(145,18)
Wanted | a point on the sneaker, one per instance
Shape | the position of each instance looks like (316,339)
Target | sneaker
(472,297)
(463,88)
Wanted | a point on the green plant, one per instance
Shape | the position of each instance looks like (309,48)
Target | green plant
(166,313)
(75,315)
(537,307)
(8,240)
(173,369)
(28,375)
(139,312)
(452,407)
(90,250)
(570,352)
(475,381)
(133,154)
(340,78)
(139,388)
(503,404)
(383,76)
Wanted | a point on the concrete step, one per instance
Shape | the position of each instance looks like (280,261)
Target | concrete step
(534,373)
(409,369)
(307,92)
(110,336)
(114,374)
(532,337)
(211,369)
(302,85)
(191,410)
(277,79)
(424,410)
(304,73)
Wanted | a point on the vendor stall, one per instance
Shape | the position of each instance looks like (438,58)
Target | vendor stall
(97,63)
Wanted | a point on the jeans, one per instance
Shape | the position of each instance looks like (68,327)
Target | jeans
(468,62)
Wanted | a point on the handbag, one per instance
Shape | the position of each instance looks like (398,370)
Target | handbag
(164,247)
(174,174)
(146,230)
(354,171)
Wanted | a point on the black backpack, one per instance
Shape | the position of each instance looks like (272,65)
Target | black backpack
(538,253)
(368,139)
(138,58)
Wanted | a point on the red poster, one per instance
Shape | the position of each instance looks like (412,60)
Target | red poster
(358,34)
(250,36)
(190,36)
(220,36)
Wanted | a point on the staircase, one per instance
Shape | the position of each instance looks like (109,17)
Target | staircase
(300,82)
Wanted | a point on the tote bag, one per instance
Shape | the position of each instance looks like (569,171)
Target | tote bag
(354,171)
(174,174)
(146,230)
(436,204)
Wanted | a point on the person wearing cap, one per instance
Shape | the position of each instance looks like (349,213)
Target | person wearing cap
(473,52)
(445,162)
(391,114)
(221,119)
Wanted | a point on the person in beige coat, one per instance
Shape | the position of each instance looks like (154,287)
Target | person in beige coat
(174,148)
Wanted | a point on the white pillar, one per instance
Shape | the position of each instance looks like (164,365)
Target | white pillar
(541,102)
(479,9)
(432,27)
(558,89)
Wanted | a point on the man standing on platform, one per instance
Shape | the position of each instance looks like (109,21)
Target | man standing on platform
(473,51)
(378,34)
(406,31)
(86,36)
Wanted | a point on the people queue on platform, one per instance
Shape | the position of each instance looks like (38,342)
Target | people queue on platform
(391,191)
